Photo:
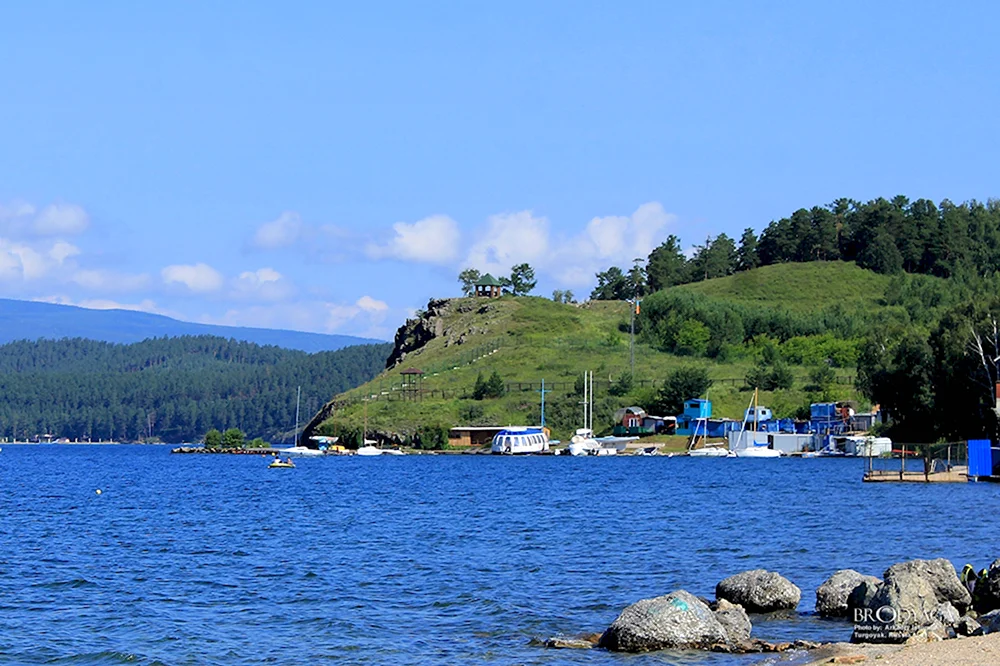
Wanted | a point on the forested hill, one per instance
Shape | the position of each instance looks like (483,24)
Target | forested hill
(946,240)
(175,389)
(28,320)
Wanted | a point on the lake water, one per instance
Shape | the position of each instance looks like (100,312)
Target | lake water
(426,559)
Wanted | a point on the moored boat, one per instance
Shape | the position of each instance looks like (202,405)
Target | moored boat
(369,449)
(520,440)
(746,445)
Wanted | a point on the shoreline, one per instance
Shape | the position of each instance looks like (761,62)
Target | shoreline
(961,651)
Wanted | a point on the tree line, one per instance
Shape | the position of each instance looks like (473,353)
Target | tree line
(886,236)
(170,389)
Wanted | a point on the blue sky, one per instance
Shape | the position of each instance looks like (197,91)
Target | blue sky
(331,166)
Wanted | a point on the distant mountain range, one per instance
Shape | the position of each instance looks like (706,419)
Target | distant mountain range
(29,320)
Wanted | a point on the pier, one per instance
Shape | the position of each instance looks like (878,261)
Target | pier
(929,463)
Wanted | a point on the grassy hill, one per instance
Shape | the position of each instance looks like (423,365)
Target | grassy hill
(798,287)
(529,339)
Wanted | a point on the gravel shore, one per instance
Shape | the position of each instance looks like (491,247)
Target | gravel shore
(976,651)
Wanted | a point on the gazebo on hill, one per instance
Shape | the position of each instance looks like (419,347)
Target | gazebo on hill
(488,286)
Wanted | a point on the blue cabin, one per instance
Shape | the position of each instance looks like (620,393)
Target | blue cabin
(695,409)
(758,414)
(698,408)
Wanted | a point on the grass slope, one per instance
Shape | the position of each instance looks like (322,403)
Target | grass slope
(798,287)
(529,339)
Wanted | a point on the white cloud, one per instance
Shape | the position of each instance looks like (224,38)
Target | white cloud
(60,219)
(23,261)
(363,317)
(510,238)
(16,209)
(263,284)
(282,232)
(61,251)
(612,240)
(434,239)
(338,315)
(110,280)
(200,278)
(571,260)
(369,304)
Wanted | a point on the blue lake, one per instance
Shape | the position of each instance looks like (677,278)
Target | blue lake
(426,559)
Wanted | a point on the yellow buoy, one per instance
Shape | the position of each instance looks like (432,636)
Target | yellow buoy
(98,491)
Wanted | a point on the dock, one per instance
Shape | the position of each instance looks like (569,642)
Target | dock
(945,462)
(953,475)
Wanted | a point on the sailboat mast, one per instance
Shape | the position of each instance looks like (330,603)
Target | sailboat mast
(298,397)
(591,402)
(585,404)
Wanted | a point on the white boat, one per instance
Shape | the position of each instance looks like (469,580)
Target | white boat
(747,445)
(707,450)
(757,452)
(393,452)
(300,452)
(520,440)
(369,449)
(583,443)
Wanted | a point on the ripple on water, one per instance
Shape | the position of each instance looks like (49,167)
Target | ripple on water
(426,560)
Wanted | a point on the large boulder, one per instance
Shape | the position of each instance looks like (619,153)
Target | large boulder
(675,620)
(914,596)
(759,591)
(941,575)
(899,609)
(862,595)
(734,620)
(833,595)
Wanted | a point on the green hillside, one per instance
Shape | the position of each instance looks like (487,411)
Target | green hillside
(528,339)
(797,286)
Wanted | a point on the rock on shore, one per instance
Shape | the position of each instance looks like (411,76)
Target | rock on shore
(734,620)
(675,620)
(759,591)
(833,595)
(921,595)
(941,576)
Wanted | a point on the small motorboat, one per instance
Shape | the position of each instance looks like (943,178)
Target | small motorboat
(278,463)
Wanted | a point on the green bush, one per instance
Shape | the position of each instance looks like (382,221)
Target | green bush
(692,338)
(431,437)
(233,439)
(489,388)
(680,385)
(213,439)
